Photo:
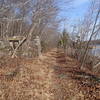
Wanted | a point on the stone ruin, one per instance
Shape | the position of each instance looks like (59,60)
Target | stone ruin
(8,47)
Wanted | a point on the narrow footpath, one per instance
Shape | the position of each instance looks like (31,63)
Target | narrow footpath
(53,77)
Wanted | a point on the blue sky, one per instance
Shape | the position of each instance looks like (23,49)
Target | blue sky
(76,10)
(71,12)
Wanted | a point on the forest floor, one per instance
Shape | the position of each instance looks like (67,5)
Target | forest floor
(53,77)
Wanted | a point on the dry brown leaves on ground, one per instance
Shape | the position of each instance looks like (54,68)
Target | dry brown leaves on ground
(53,77)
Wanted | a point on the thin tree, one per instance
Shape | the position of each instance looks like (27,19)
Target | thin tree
(92,34)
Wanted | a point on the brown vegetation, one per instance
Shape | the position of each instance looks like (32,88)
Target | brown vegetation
(39,62)
(54,77)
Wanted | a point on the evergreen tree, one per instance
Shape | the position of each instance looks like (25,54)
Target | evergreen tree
(65,38)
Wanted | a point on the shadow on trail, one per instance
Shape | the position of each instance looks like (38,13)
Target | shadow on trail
(85,80)
(73,72)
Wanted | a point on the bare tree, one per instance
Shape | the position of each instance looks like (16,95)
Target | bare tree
(93,32)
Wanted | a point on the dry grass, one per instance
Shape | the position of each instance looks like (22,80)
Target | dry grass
(54,77)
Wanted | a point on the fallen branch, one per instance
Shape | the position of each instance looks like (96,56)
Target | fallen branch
(96,65)
(20,43)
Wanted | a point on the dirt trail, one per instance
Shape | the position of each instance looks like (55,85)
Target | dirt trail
(54,77)
(64,87)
